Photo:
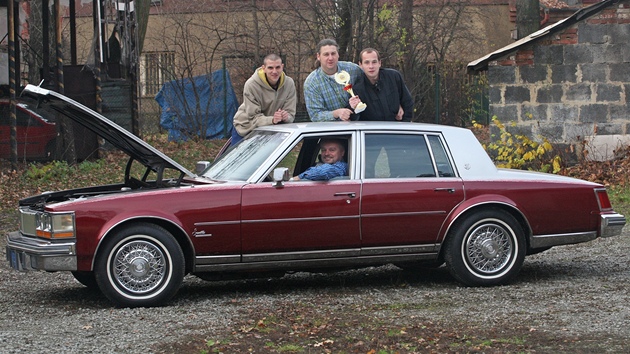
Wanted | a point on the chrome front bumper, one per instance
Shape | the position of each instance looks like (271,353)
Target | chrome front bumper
(29,253)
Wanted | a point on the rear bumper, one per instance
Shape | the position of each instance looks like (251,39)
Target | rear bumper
(611,225)
(28,253)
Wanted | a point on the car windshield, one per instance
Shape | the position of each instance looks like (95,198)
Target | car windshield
(240,162)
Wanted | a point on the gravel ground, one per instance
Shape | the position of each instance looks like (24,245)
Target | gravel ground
(573,298)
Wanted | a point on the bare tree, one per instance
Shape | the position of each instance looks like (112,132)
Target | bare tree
(425,42)
(201,44)
(441,39)
(428,43)
(34,55)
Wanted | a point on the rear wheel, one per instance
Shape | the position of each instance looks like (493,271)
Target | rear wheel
(485,248)
(140,266)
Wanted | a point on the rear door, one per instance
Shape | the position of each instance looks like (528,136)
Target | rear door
(409,188)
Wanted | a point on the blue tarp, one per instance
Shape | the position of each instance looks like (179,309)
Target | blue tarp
(202,106)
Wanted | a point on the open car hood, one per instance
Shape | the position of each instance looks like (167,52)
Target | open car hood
(116,135)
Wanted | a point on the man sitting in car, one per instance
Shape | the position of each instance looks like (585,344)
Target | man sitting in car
(332,153)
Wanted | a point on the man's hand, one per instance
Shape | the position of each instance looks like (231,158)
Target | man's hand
(354,101)
(280,116)
(342,113)
(400,114)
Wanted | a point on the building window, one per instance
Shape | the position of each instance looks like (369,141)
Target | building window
(156,69)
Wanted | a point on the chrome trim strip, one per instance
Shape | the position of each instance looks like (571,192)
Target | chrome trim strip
(542,241)
(213,223)
(229,258)
(286,256)
(375,251)
(301,219)
(411,213)
(317,263)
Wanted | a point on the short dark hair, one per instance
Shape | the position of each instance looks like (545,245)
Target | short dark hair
(272,57)
(325,42)
(369,50)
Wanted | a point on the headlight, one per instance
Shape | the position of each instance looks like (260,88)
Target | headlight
(55,225)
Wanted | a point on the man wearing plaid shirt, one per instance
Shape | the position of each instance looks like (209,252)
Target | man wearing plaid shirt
(326,100)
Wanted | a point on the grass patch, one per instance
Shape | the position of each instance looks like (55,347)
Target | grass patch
(620,198)
(357,328)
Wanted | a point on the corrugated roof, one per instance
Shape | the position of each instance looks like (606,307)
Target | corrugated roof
(482,63)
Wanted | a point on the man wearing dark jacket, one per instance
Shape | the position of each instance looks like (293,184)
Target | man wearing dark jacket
(383,90)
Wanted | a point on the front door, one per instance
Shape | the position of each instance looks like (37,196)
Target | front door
(303,219)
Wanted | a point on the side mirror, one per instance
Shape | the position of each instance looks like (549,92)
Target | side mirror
(280,175)
(201,166)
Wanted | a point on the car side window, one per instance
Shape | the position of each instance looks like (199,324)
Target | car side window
(397,156)
(441,158)
(306,153)
(290,160)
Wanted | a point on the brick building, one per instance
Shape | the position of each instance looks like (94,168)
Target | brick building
(568,82)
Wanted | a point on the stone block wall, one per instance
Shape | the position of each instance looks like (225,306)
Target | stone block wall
(568,86)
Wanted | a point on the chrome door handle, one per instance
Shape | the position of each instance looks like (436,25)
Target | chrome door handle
(346,194)
(449,190)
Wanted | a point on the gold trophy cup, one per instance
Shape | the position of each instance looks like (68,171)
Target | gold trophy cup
(343,78)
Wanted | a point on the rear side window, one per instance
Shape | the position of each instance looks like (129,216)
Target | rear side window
(404,156)
(444,167)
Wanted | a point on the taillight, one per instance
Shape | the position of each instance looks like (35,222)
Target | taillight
(602,199)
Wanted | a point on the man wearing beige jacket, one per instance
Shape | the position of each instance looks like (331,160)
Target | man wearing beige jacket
(269,97)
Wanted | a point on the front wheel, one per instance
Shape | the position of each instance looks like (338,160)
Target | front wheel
(140,266)
(485,248)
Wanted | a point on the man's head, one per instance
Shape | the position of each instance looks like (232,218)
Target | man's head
(272,66)
(331,150)
(370,62)
(328,55)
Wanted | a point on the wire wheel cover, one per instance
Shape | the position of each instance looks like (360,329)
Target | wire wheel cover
(489,248)
(139,267)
